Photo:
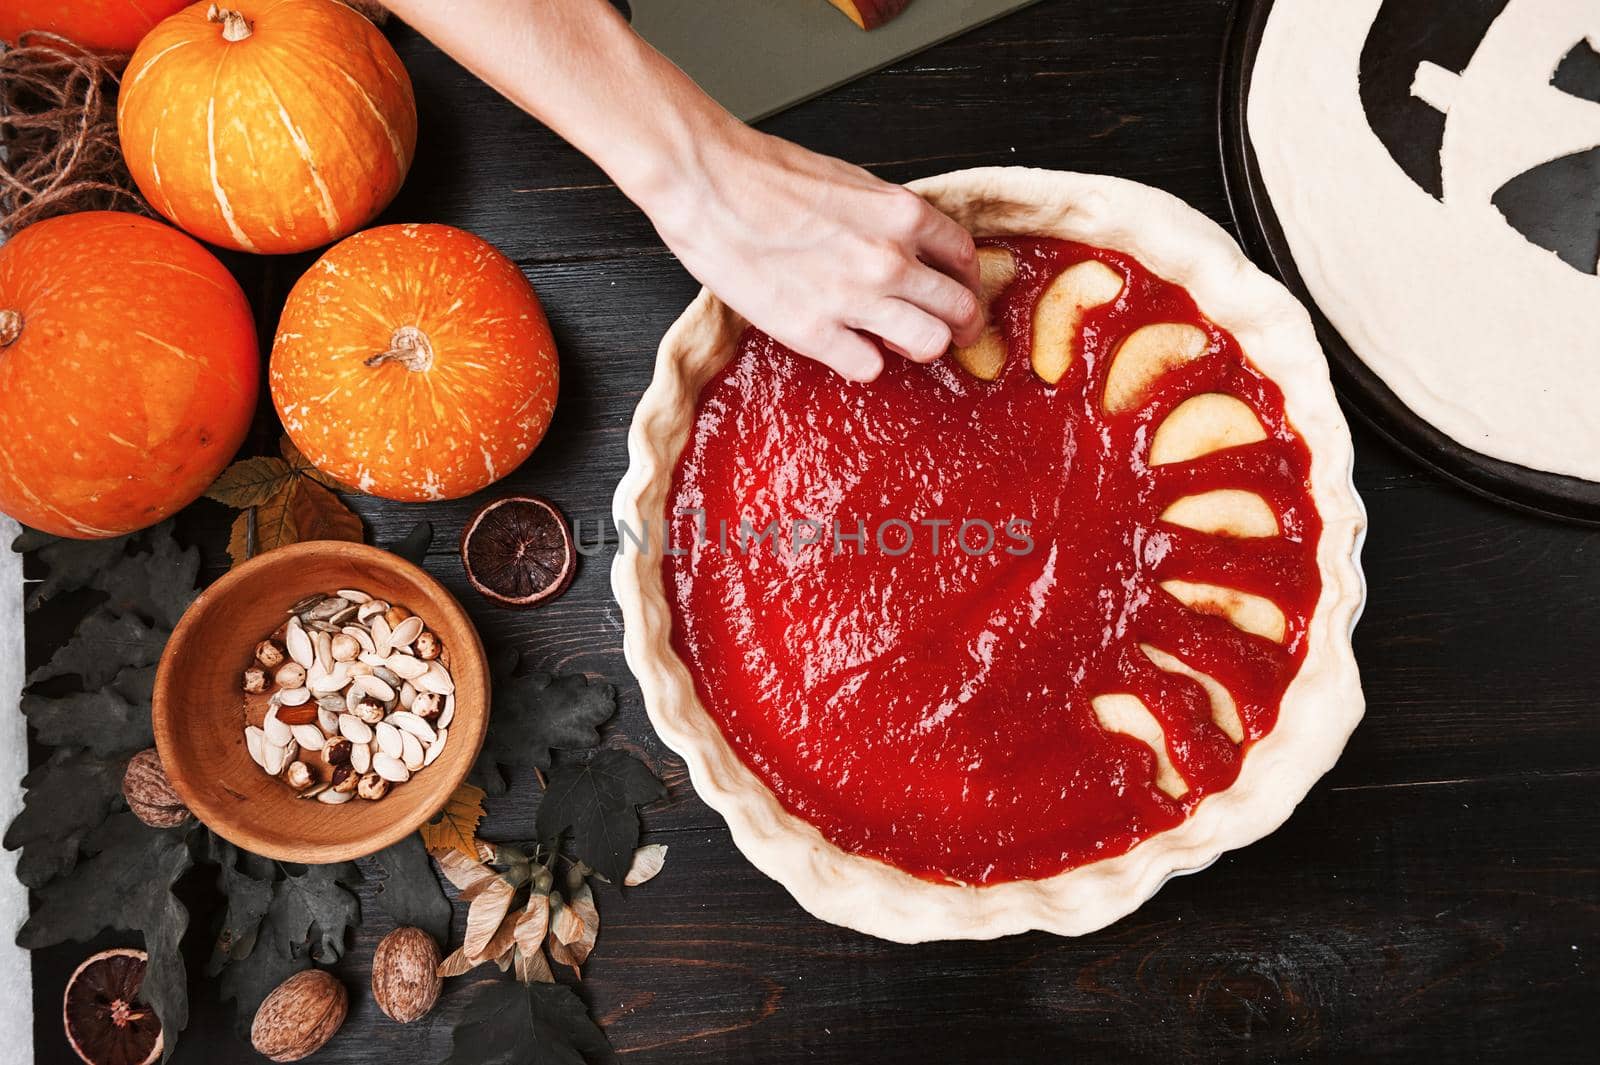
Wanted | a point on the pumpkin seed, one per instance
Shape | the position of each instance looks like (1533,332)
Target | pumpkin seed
(406,633)
(314,790)
(408,667)
(360,635)
(331,683)
(276,732)
(436,748)
(411,752)
(292,696)
(406,721)
(390,768)
(354,729)
(328,716)
(309,737)
(323,643)
(389,739)
(343,617)
(307,603)
(352,595)
(382,636)
(436,680)
(408,695)
(372,608)
(361,757)
(255,741)
(277,758)
(335,798)
(447,714)
(376,687)
(324,609)
(298,643)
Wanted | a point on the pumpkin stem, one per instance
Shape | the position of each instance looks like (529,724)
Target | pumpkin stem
(410,347)
(234,25)
(10,327)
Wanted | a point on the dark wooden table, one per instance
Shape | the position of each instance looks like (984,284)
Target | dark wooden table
(1436,898)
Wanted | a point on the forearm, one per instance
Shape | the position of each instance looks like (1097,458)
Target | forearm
(577,67)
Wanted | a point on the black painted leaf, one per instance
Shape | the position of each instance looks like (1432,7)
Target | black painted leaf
(126,884)
(69,564)
(410,891)
(509,1023)
(67,798)
(112,720)
(246,881)
(535,713)
(414,548)
(158,584)
(312,910)
(104,644)
(31,540)
(596,800)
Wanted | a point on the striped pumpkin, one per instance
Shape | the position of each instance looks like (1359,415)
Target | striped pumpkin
(109,26)
(268,126)
(128,373)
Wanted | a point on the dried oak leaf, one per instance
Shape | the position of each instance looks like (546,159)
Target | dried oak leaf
(67,798)
(302,467)
(574,926)
(410,891)
(251,482)
(534,713)
(126,884)
(312,910)
(456,827)
(320,515)
(596,799)
(527,1024)
(647,862)
(111,720)
(103,645)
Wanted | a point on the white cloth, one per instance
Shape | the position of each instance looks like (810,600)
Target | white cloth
(16,972)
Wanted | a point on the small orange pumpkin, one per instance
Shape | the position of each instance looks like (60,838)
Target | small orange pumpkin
(128,373)
(414,362)
(269,125)
(107,26)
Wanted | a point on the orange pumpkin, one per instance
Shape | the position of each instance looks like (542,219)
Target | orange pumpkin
(108,26)
(128,373)
(414,362)
(269,126)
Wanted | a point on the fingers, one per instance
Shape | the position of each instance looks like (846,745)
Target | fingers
(946,246)
(946,299)
(846,352)
(905,329)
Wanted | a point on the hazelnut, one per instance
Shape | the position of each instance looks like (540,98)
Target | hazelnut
(427,705)
(255,680)
(149,793)
(336,751)
(395,615)
(405,974)
(345,779)
(427,646)
(345,648)
(372,786)
(298,775)
(300,1016)
(290,675)
(269,654)
(370,710)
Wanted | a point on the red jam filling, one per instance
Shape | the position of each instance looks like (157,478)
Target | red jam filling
(931,707)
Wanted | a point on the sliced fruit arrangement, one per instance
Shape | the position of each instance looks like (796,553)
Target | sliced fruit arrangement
(105,1021)
(267,126)
(519,551)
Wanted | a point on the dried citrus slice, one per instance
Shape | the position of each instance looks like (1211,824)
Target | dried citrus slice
(518,551)
(105,1021)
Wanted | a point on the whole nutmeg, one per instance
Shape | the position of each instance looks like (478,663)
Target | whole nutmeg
(405,974)
(149,793)
(300,1015)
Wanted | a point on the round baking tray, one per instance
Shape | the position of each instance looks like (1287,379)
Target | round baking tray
(1552,495)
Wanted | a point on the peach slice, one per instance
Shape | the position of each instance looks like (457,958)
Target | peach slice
(1128,715)
(870,14)
(1224,512)
(1246,612)
(984,357)
(1202,424)
(1058,315)
(1144,356)
(1224,711)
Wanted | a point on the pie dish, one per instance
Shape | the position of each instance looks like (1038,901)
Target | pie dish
(1148,665)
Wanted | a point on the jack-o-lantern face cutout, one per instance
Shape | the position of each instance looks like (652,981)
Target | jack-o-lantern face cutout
(1495,101)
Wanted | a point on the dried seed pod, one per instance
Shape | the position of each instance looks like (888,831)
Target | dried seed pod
(255,680)
(290,675)
(298,775)
(345,647)
(372,787)
(427,646)
(405,974)
(427,705)
(149,793)
(344,779)
(300,1016)
(269,654)
(336,751)
(369,711)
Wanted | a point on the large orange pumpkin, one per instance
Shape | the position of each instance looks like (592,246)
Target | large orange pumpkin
(414,362)
(99,25)
(128,373)
(268,126)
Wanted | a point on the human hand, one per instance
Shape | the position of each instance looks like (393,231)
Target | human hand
(818,253)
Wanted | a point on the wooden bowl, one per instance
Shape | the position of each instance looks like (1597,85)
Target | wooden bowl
(198,707)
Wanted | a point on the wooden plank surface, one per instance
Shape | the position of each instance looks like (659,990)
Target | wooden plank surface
(1438,896)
